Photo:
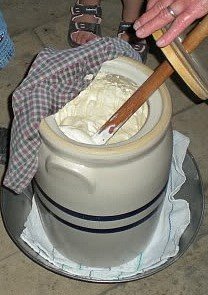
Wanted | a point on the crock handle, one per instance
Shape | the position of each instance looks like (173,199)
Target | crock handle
(77,175)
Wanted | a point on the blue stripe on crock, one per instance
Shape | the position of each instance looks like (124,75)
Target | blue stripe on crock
(101,218)
(103,230)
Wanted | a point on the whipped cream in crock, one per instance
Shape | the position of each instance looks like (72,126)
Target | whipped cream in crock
(82,117)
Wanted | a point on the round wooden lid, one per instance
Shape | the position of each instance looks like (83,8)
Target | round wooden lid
(188,68)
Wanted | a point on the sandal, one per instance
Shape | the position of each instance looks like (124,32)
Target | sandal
(140,45)
(79,10)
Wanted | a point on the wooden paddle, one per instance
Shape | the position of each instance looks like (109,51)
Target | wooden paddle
(158,77)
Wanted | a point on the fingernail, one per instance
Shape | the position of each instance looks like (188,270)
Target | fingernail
(140,33)
(160,43)
(136,25)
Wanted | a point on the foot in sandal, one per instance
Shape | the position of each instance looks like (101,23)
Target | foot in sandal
(85,22)
(127,33)
(131,10)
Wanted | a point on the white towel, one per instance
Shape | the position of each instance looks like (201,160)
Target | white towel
(174,218)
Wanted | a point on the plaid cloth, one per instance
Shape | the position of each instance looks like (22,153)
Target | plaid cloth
(55,77)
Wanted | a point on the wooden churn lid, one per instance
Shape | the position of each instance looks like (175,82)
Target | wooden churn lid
(179,58)
(187,64)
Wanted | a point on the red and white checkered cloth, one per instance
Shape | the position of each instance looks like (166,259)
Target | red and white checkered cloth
(55,77)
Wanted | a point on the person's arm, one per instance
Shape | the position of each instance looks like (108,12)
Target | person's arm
(179,13)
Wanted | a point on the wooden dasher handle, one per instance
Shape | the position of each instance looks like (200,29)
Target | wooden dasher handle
(197,35)
(158,77)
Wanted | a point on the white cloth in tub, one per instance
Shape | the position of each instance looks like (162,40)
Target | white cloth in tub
(174,218)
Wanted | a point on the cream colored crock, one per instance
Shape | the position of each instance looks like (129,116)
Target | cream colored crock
(100,205)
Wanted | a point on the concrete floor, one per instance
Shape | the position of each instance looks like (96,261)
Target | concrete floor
(36,24)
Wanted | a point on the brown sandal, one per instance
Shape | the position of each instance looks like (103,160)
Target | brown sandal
(79,10)
(140,45)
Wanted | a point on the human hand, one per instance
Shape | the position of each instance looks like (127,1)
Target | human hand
(179,13)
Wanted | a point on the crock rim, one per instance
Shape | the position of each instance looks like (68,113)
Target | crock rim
(67,146)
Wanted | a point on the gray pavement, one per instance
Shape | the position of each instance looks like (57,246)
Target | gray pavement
(36,24)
